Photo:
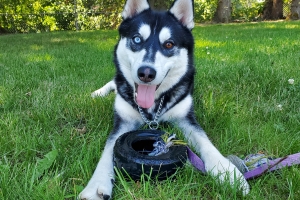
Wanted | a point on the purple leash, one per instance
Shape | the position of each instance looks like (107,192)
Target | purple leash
(196,160)
(272,165)
(278,163)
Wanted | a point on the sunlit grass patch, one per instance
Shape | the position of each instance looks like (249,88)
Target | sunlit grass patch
(246,97)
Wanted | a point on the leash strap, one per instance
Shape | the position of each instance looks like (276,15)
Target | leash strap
(273,165)
(195,160)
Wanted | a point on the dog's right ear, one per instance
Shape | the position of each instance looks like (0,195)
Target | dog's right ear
(134,7)
(183,10)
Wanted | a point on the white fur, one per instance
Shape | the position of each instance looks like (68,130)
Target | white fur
(107,88)
(169,70)
(126,111)
(177,63)
(215,163)
(101,182)
(183,11)
(164,35)
(180,110)
(130,62)
(145,31)
(133,7)
(126,58)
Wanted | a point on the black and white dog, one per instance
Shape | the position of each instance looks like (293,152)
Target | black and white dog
(154,83)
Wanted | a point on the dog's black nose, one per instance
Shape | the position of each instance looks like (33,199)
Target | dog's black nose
(146,74)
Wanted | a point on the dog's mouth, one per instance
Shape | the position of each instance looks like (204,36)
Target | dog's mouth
(145,95)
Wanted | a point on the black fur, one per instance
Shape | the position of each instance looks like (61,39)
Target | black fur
(182,39)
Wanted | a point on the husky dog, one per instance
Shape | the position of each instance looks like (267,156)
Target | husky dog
(154,83)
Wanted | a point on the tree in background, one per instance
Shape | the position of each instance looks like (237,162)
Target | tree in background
(295,10)
(159,4)
(223,12)
(23,16)
(273,10)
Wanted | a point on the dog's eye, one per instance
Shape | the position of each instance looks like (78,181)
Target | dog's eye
(137,39)
(169,45)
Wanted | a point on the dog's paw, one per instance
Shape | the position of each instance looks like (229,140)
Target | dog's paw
(226,171)
(96,191)
(105,90)
(99,93)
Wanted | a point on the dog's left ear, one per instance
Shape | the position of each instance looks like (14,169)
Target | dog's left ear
(134,7)
(183,10)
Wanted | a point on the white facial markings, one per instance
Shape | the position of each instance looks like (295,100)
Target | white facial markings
(129,61)
(171,69)
(164,35)
(145,31)
(124,62)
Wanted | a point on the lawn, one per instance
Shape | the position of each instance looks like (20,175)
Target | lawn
(52,132)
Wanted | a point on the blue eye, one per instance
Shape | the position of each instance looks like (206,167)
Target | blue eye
(137,39)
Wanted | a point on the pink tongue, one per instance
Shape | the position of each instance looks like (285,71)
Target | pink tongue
(145,95)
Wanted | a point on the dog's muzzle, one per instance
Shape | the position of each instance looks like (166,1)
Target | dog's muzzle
(145,91)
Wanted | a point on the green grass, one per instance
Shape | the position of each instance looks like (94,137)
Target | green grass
(242,76)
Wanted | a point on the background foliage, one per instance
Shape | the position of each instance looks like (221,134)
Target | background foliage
(204,10)
(246,10)
(51,15)
(23,16)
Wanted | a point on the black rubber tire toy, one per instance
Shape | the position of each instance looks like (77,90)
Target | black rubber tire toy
(131,154)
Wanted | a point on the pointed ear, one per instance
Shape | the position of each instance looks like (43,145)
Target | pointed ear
(183,10)
(134,7)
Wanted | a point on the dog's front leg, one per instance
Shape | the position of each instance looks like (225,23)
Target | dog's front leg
(215,163)
(126,119)
(101,184)
(105,90)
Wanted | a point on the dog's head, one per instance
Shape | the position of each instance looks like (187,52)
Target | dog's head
(155,48)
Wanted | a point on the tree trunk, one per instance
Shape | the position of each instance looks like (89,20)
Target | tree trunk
(273,10)
(277,12)
(223,12)
(159,5)
(295,10)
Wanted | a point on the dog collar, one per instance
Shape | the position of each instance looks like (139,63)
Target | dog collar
(153,125)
